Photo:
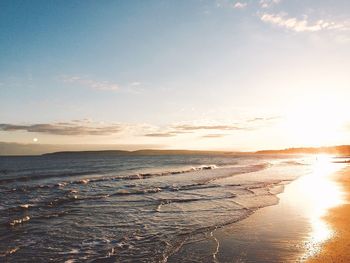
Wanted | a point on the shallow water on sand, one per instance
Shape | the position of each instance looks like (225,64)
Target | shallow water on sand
(291,231)
(131,209)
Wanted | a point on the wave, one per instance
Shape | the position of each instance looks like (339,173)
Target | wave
(294,163)
(188,200)
(9,252)
(135,176)
(149,175)
(72,197)
(67,196)
(343,160)
(19,221)
(25,219)
(239,170)
(34,177)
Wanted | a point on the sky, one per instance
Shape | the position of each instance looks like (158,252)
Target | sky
(188,74)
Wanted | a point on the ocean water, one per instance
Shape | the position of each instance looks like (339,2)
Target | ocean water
(105,208)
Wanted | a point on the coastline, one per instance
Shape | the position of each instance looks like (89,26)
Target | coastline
(337,249)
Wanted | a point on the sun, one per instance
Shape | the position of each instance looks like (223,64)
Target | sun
(315,124)
(35,140)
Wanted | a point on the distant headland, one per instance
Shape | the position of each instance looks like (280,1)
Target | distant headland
(334,150)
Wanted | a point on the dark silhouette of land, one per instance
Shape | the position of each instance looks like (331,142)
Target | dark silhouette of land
(334,150)
(140,152)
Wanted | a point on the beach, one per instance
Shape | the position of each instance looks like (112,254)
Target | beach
(337,249)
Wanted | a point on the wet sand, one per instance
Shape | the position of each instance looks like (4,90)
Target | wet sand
(337,249)
(272,234)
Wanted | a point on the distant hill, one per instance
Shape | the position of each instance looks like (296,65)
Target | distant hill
(32,149)
(336,150)
(138,152)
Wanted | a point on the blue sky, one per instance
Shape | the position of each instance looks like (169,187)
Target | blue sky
(235,73)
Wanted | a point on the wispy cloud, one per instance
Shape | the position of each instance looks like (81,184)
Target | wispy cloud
(264,119)
(65,128)
(135,83)
(193,127)
(90,127)
(241,125)
(218,129)
(90,83)
(301,25)
(240,5)
(161,134)
(231,4)
(168,131)
(268,3)
(214,135)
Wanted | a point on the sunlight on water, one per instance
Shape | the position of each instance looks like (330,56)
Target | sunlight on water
(322,193)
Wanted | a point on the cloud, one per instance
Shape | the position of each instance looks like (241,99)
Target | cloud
(268,3)
(262,119)
(135,83)
(176,129)
(214,135)
(90,127)
(293,23)
(70,128)
(229,4)
(240,5)
(167,132)
(300,25)
(89,83)
(256,119)
(189,127)
(161,134)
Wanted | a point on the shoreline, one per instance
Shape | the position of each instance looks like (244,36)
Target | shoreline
(307,225)
(337,249)
(294,230)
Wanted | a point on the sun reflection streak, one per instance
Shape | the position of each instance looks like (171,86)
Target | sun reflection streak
(323,193)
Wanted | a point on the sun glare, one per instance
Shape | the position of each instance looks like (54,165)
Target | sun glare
(322,194)
(316,125)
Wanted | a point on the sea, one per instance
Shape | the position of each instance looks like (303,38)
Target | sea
(112,208)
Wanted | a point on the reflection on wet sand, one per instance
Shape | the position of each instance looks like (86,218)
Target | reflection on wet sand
(318,193)
(291,231)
